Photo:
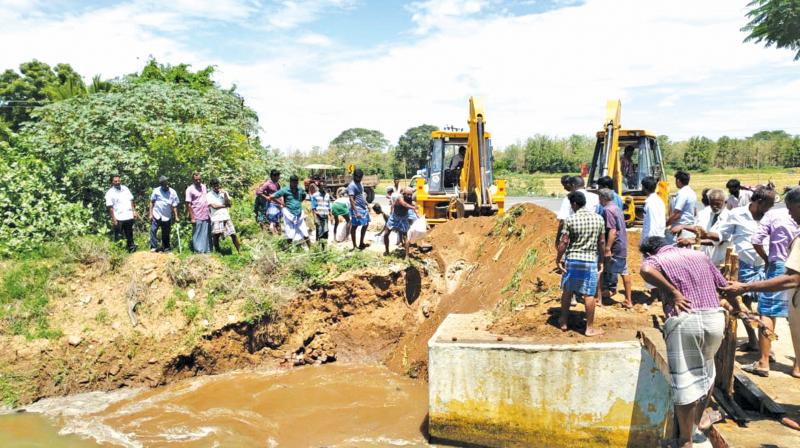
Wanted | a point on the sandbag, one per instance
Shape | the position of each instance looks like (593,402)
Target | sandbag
(342,232)
(418,230)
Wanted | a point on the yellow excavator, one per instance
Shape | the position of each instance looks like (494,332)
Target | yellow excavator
(627,156)
(459,179)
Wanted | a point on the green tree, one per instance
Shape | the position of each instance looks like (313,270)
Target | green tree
(355,144)
(774,22)
(412,147)
(36,84)
(176,74)
(699,153)
(141,130)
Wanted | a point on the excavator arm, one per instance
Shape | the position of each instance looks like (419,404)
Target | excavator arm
(610,163)
(473,175)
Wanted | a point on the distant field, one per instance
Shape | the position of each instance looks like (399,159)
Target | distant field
(781,178)
(549,184)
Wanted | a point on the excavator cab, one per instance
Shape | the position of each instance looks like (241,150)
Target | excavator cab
(459,179)
(628,156)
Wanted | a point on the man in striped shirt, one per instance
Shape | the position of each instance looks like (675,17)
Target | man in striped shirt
(694,328)
(320,206)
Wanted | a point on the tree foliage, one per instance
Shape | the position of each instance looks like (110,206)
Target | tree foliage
(32,209)
(774,22)
(366,148)
(36,84)
(542,153)
(140,131)
(412,147)
(699,153)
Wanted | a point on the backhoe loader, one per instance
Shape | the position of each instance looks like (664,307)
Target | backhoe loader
(627,156)
(459,180)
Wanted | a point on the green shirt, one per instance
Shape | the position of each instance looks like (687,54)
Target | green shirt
(292,202)
(584,229)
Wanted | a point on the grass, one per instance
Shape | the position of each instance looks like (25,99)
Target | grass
(11,387)
(24,300)
(526,263)
(102,317)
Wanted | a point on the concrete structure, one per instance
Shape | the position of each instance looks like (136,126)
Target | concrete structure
(521,393)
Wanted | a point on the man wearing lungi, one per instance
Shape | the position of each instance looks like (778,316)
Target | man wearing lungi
(197,206)
(272,209)
(695,325)
(788,282)
(294,218)
(398,220)
(359,209)
(583,244)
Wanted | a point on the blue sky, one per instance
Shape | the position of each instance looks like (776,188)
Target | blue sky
(312,68)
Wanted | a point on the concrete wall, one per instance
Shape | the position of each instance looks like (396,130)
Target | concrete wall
(490,393)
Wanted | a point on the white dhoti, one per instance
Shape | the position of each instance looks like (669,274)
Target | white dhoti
(294,227)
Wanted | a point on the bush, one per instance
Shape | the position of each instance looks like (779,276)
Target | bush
(94,251)
(32,208)
(183,272)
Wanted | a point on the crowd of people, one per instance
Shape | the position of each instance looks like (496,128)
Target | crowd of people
(592,252)
(279,210)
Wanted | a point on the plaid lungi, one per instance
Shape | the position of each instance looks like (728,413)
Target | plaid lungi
(774,304)
(692,340)
(223,228)
(580,277)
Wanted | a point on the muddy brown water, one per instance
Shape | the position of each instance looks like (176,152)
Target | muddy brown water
(331,405)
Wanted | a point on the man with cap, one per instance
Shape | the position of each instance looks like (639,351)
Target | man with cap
(163,210)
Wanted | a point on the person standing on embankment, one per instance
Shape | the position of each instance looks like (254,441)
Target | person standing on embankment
(615,256)
(162,212)
(582,243)
(788,282)
(359,209)
(694,328)
(122,210)
(197,207)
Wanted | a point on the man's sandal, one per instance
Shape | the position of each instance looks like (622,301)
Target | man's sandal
(755,370)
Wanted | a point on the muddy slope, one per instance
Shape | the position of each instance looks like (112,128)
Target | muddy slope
(506,266)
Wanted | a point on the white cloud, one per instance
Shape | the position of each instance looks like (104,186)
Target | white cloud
(433,14)
(679,67)
(315,40)
(289,14)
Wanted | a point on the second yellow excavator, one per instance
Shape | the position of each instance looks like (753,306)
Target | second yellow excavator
(627,156)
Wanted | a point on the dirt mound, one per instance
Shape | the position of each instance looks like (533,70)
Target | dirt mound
(506,265)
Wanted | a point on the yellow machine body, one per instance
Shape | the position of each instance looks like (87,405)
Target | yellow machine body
(448,193)
(646,160)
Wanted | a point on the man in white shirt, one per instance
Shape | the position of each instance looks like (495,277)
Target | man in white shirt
(122,210)
(655,211)
(740,226)
(574,183)
(683,210)
(592,200)
(710,219)
(738,197)
(163,210)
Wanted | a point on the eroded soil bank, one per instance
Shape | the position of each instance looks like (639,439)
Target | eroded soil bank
(383,314)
